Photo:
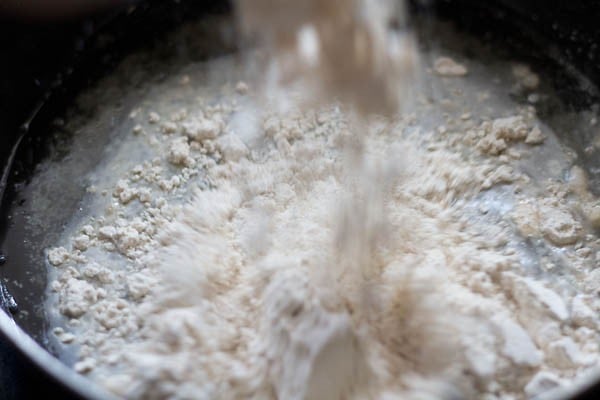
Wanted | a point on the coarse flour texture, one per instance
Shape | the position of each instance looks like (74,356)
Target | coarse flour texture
(318,257)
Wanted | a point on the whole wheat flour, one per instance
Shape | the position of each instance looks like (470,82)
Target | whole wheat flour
(256,254)
(358,51)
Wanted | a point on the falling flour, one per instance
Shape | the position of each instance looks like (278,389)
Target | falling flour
(252,253)
(357,51)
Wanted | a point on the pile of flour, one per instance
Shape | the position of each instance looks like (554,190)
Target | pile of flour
(257,254)
(241,247)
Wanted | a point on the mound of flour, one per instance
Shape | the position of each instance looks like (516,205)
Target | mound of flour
(266,255)
(237,251)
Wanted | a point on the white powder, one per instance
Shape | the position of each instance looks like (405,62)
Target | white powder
(445,66)
(340,49)
(267,285)
(303,263)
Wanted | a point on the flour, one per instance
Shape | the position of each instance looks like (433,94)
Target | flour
(354,51)
(264,255)
(525,77)
(445,66)
(58,256)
